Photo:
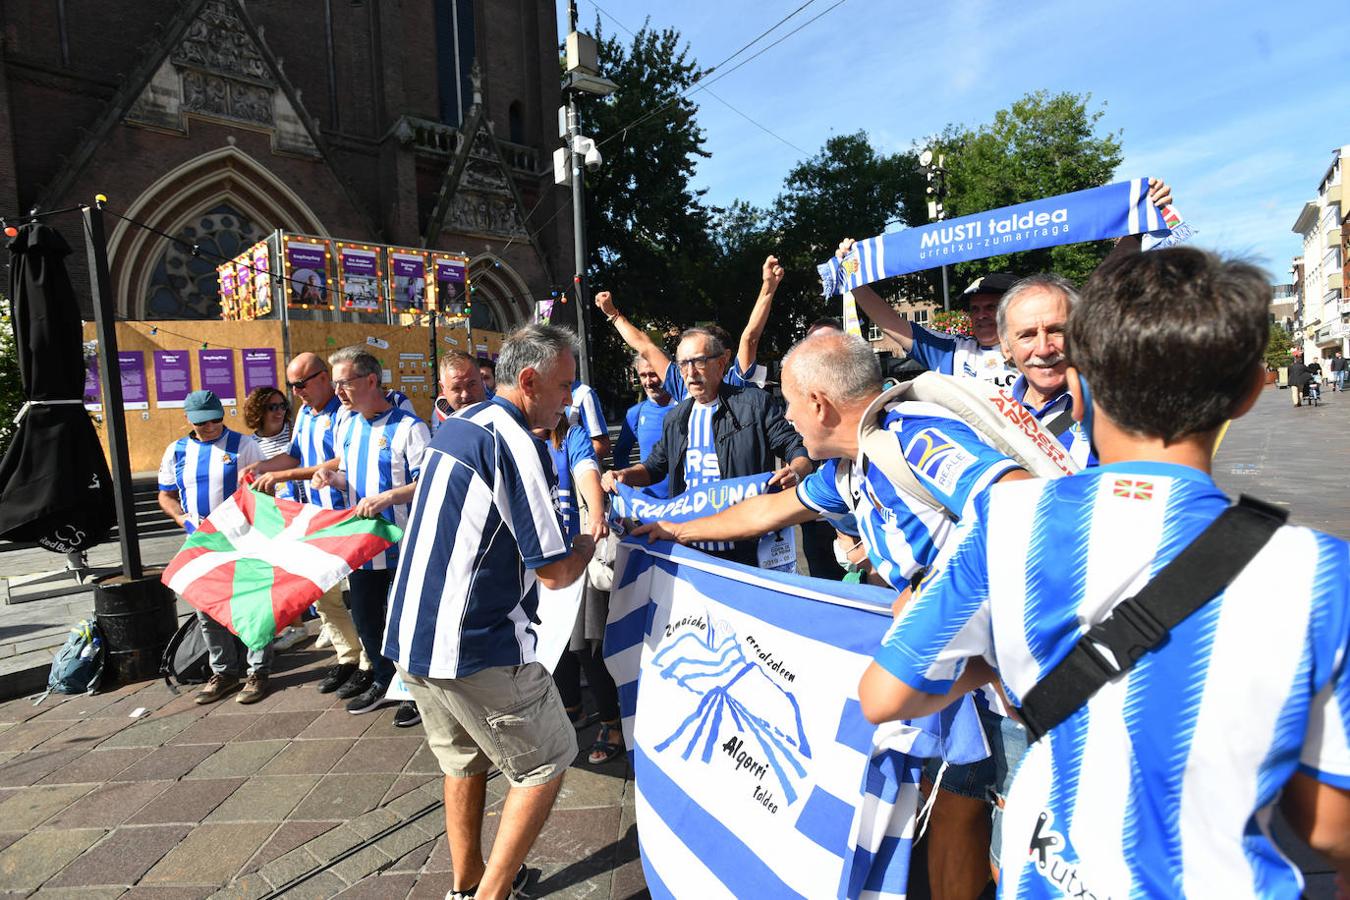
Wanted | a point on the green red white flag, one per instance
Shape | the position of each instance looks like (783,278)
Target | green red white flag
(257,562)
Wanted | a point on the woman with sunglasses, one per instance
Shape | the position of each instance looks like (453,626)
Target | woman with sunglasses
(268,416)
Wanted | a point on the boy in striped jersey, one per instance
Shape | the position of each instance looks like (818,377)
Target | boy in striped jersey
(1164,782)
(199,472)
(378,449)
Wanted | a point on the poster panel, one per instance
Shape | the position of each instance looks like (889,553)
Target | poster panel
(131,371)
(229,305)
(173,378)
(217,374)
(262,279)
(359,277)
(407,280)
(307,270)
(243,286)
(450,284)
(260,369)
(93,389)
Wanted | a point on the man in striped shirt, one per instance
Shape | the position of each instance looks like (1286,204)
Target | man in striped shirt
(379,455)
(199,472)
(483,534)
(1164,782)
(461,384)
(311,446)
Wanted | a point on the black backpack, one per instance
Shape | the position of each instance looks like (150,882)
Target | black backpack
(186,660)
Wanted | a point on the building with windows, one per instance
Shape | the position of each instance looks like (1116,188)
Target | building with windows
(219,121)
(1324,310)
(1283,306)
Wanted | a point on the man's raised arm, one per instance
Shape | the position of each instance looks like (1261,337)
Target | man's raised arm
(632,335)
(747,519)
(748,351)
(895,326)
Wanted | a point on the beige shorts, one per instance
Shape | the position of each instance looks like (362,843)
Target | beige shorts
(507,716)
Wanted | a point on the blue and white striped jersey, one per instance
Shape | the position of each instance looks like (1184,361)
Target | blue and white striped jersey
(205,475)
(400,400)
(902,534)
(378,455)
(735,376)
(961,356)
(585,411)
(1162,784)
(1074,438)
(576,455)
(484,517)
(642,427)
(312,444)
(700,458)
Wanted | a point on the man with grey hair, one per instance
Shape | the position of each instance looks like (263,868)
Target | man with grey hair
(484,533)
(378,452)
(719,431)
(1032,317)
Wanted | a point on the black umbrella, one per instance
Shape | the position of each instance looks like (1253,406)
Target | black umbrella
(55,487)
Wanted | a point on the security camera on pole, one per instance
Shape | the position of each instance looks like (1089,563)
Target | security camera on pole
(583,76)
(937,189)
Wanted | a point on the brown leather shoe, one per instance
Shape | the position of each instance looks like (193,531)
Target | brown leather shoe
(254,689)
(217,687)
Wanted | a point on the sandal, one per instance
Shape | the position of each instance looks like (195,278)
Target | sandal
(602,751)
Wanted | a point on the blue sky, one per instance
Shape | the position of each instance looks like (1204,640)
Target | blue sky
(1237,105)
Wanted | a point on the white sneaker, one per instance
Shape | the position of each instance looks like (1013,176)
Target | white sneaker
(323,640)
(289,638)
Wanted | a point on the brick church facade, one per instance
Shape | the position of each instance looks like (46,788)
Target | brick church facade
(422,123)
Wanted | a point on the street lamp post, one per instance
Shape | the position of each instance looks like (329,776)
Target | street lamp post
(937,190)
(583,76)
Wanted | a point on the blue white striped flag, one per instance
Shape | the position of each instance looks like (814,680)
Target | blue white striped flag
(1110,211)
(757,774)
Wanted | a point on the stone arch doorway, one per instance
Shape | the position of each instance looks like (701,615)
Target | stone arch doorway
(223,202)
(501,299)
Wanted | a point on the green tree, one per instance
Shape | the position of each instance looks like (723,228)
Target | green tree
(1044,144)
(11,382)
(1280,349)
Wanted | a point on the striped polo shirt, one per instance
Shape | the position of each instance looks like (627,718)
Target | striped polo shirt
(312,444)
(378,455)
(203,474)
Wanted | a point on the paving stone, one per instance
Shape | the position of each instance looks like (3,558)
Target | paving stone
(187,801)
(398,844)
(210,854)
(305,699)
(27,735)
(151,731)
(374,822)
(264,798)
(233,760)
(380,887)
(211,730)
(380,754)
(104,892)
(23,809)
(275,726)
(308,757)
(109,805)
(123,857)
(38,855)
(323,886)
(26,768)
(168,762)
(22,709)
(290,866)
(415,800)
(96,766)
(86,733)
(414,859)
(332,842)
(360,864)
(405,783)
(432,886)
(423,762)
(588,787)
(247,887)
(285,839)
(337,723)
(576,845)
(439,858)
(344,796)
(9,837)
(167,892)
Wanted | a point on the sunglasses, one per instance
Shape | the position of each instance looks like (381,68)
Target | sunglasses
(211,422)
(297,385)
(276,407)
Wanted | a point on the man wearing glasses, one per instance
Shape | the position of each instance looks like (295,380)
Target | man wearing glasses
(379,452)
(199,472)
(718,431)
(312,445)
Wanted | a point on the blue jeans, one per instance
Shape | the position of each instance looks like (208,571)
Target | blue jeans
(369,592)
(224,649)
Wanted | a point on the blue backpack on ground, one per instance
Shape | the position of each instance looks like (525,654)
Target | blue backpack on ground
(78,666)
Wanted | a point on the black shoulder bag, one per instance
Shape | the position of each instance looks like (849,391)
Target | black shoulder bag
(1142,623)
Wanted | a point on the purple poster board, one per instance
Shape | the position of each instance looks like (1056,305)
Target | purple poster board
(93,390)
(360,279)
(260,369)
(217,372)
(173,378)
(450,275)
(131,369)
(408,280)
(307,266)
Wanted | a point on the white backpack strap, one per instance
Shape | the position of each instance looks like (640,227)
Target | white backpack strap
(881,448)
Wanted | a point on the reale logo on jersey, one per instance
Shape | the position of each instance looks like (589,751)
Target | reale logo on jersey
(700,465)
(938,458)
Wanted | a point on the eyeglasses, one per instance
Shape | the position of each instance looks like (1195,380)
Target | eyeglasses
(276,407)
(346,382)
(694,362)
(297,385)
(211,422)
